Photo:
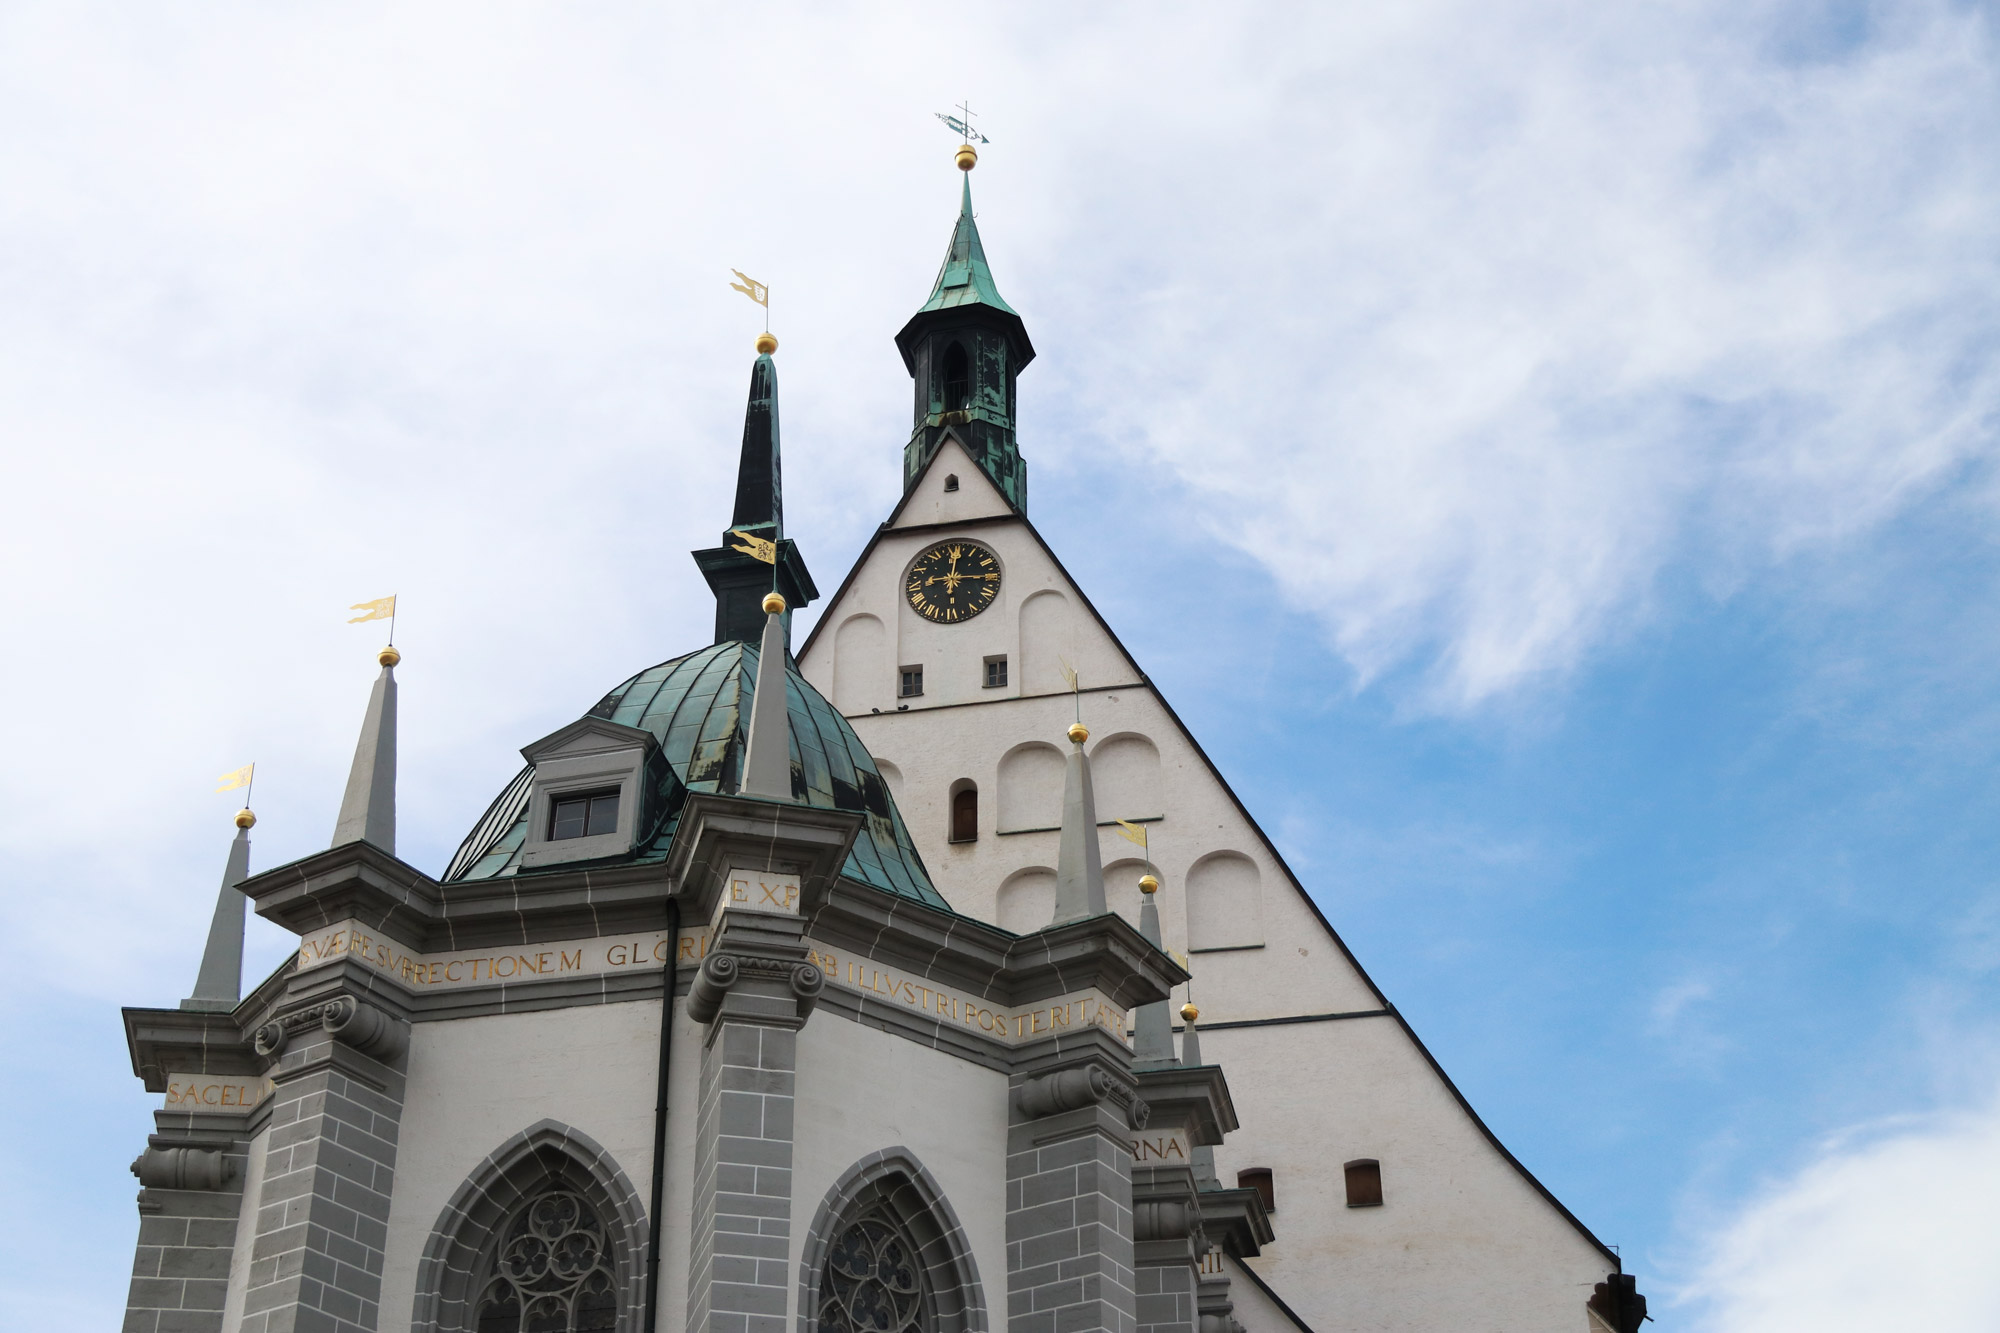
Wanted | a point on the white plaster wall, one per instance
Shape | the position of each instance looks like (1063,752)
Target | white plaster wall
(1461,1240)
(930,502)
(246,1233)
(861,1090)
(474,1083)
(1463,1230)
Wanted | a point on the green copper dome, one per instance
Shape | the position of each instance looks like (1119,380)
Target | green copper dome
(698,706)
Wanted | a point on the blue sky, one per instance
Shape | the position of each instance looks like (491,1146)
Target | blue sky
(1567,435)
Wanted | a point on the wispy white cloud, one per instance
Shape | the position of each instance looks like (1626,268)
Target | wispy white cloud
(1891,1227)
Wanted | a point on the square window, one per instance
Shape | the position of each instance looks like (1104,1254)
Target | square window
(996,672)
(583,815)
(913,681)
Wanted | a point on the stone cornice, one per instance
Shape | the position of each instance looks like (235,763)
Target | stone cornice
(720,833)
(1236,1220)
(186,1040)
(1195,1098)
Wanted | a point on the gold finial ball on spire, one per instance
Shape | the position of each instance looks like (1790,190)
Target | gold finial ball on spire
(1189,1012)
(773,604)
(966,158)
(244,819)
(1078,732)
(389,656)
(1147,884)
(766,344)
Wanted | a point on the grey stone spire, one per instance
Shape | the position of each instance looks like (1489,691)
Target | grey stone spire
(368,810)
(1079,866)
(1201,1157)
(1153,1042)
(767,754)
(219,984)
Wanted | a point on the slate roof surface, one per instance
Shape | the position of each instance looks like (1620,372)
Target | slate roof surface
(698,707)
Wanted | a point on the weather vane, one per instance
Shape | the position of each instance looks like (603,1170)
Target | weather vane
(963,126)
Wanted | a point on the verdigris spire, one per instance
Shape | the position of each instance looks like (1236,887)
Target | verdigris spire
(767,754)
(737,571)
(1201,1156)
(1153,1041)
(964,348)
(368,809)
(219,984)
(1079,865)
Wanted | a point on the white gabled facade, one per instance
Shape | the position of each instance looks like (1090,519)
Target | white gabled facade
(1324,1071)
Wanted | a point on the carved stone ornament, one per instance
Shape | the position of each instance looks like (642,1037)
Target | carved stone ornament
(367,1029)
(1160,1221)
(1139,1112)
(269,1039)
(1064,1090)
(183,1169)
(718,972)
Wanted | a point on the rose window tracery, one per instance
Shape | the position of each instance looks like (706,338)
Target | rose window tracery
(552,1273)
(872,1283)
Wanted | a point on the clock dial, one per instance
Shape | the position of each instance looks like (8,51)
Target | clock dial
(953,581)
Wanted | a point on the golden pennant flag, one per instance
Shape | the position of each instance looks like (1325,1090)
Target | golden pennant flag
(751,288)
(240,778)
(1069,672)
(1131,832)
(758,548)
(382,608)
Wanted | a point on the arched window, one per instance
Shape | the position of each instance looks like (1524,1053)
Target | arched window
(872,1282)
(885,1253)
(965,813)
(546,1235)
(957,379)
(552,1272)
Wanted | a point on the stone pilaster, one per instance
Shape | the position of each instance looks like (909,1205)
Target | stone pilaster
(1191,1110)
(329,1165)
(754,991)
(191,1196)
(1069,1190)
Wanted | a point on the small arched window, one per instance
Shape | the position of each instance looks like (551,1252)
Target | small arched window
(951,481)
(872,1283)
(965,814)
(957,379)
(552,1272)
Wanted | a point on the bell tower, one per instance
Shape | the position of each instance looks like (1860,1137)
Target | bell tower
(964,349)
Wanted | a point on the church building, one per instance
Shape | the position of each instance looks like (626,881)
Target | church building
(840,987)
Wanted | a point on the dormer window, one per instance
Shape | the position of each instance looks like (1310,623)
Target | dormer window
(957,379)
(588,793)
(583,815)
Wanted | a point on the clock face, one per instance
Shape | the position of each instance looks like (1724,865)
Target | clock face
(953,581)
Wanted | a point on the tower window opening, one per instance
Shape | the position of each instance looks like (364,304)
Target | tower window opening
(965,814)
(1364,1183)
(996,672)
(957,379)
(913,681)
(583,815)
(951,481)
(1259,1178)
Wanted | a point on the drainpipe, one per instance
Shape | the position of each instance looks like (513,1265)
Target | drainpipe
(668,980)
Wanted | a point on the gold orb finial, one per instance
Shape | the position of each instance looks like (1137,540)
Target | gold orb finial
(766,344)
(1147,884)
(244,819)
(966,158)
(773,604)
(389,656)
(1078,732)
(1189,1012)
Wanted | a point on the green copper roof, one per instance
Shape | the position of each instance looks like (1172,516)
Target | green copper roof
(965,279)
(698,707)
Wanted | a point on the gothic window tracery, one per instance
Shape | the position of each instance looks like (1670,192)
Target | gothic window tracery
(552,1272)
(872,1283)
